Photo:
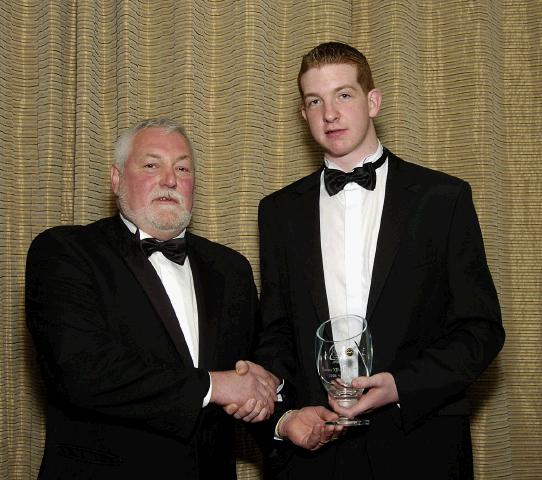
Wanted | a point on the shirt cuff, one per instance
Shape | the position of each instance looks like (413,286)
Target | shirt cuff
(276,436)
(279,388)
(207,397)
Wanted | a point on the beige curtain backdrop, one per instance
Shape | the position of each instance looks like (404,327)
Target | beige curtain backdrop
(461,87)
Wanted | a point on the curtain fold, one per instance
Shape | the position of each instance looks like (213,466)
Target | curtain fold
(461,93)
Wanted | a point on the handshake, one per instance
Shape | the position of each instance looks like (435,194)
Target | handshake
(249,392)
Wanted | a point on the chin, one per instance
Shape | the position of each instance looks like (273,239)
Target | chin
(172,223)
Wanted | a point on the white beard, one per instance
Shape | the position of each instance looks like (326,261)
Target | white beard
(165,218)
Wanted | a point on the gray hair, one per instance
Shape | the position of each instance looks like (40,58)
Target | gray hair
(123,145)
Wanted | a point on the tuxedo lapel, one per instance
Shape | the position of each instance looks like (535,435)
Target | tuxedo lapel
(305,230)
(124,242)
(209,287)
(398,203)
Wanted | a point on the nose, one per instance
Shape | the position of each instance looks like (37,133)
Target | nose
(330,113)
(169,178)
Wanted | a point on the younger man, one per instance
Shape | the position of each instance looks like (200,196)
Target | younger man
(373,235)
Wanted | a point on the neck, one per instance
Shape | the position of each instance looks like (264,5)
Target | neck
(354,159)
(163,236)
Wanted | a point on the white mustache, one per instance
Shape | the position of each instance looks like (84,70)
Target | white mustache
(172,195)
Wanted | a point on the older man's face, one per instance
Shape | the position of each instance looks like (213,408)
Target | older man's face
(155,187)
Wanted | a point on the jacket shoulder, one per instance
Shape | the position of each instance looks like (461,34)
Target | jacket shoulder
(76,233)
(218,253)
(294,189)
(423,174)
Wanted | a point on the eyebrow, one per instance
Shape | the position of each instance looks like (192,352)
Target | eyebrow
(159,157)
(342,87)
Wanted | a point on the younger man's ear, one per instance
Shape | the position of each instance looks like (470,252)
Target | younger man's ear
(303,111)
(374,100)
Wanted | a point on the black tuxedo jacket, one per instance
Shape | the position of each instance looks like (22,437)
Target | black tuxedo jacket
(433,313)
(124,398)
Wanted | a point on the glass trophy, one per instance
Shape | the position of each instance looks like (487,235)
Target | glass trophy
(344,351)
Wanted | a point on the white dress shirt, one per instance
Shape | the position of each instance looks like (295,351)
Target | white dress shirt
(179,285)
(349,226)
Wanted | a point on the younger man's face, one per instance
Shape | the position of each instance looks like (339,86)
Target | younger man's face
(339,113)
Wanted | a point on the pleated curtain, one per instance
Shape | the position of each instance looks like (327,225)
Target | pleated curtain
(461,84)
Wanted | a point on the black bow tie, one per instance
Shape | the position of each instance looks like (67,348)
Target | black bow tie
(174,249)
(365,176)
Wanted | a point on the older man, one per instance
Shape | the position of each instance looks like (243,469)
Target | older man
(138,326)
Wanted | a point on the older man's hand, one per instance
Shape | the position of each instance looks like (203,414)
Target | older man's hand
(248,393)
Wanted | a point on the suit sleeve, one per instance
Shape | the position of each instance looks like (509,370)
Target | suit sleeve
(472,333)
(87,362)
(275,343)
(275,347)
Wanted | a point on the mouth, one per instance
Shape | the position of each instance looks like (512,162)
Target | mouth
(165,200)
(335,132)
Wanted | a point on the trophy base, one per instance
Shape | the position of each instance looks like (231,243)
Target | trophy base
(350,422)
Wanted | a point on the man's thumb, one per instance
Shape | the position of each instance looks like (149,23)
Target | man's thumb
(241,367)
